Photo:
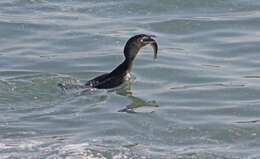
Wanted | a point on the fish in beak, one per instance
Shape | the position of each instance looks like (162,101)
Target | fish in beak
(149,40)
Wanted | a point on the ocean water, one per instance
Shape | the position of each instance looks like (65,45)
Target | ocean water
(199,100)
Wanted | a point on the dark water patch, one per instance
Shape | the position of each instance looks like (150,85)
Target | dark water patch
(209,65)
(210,85)
(252,76)
(248,121)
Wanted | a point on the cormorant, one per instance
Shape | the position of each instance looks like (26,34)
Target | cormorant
(122,72)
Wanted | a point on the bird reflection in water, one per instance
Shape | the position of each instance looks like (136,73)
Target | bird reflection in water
(136,103)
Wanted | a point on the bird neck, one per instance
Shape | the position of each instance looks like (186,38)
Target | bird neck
(130,51)
(123,68)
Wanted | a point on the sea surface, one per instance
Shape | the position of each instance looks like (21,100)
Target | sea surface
(199,100)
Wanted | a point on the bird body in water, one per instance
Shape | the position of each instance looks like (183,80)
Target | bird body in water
(122,72)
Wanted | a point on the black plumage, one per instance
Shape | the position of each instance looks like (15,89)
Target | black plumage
(122,72)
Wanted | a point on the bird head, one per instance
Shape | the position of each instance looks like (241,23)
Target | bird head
(135,43)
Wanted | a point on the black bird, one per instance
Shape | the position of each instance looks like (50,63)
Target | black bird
(122,72)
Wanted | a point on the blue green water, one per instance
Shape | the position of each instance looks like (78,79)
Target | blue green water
(199,100)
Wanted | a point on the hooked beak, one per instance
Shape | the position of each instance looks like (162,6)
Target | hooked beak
(148,40)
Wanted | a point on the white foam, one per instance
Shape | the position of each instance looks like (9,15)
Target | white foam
(80,151)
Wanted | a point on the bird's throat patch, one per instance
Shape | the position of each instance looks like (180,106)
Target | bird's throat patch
(127,77)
